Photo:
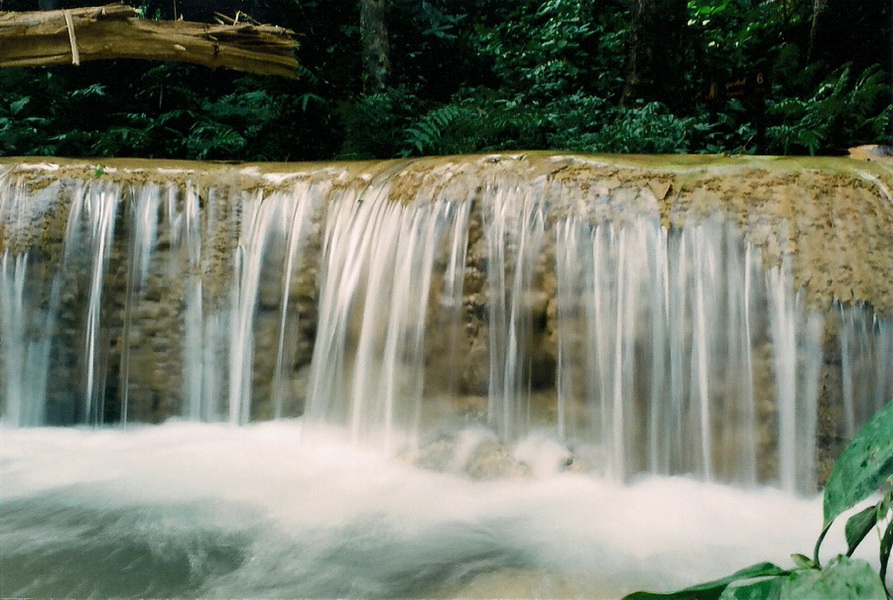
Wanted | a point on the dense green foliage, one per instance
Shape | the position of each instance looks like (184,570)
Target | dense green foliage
(863,471)
(470,76)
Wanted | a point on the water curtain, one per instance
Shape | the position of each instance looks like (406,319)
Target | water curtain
(653,318)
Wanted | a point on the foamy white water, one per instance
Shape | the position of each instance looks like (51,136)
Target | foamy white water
(188,510)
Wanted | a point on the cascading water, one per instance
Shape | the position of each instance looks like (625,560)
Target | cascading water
(509,328)
(378,271)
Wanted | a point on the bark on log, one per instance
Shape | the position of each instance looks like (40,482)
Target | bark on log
(29,39)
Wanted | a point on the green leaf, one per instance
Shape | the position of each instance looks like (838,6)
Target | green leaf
(844,578)
(803,562)
(865,464)
(17,106)
(306,98)
(885,506)
(858,526)
(713,590)
(886,544)
(92,90)
(765,589)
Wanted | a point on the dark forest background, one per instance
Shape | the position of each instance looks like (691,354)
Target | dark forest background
(399,78)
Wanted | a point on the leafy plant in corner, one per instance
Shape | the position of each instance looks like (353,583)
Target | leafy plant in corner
(843,111)
(864,470)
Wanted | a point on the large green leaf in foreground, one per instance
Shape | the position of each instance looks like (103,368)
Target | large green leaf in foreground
(862,467)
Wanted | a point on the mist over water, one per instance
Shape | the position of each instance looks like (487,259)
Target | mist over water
(187,510)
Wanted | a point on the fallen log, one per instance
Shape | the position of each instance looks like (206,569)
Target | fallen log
(29,39)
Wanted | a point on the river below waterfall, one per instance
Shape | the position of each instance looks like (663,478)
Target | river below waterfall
(206,510)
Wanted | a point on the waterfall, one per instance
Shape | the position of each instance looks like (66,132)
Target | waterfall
(379,265)
(515,227)
(26,359)
(397,305)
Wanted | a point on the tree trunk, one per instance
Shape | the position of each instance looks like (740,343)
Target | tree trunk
(31,39)
(856,32)
(819,8)
(376,49)
(654,69)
